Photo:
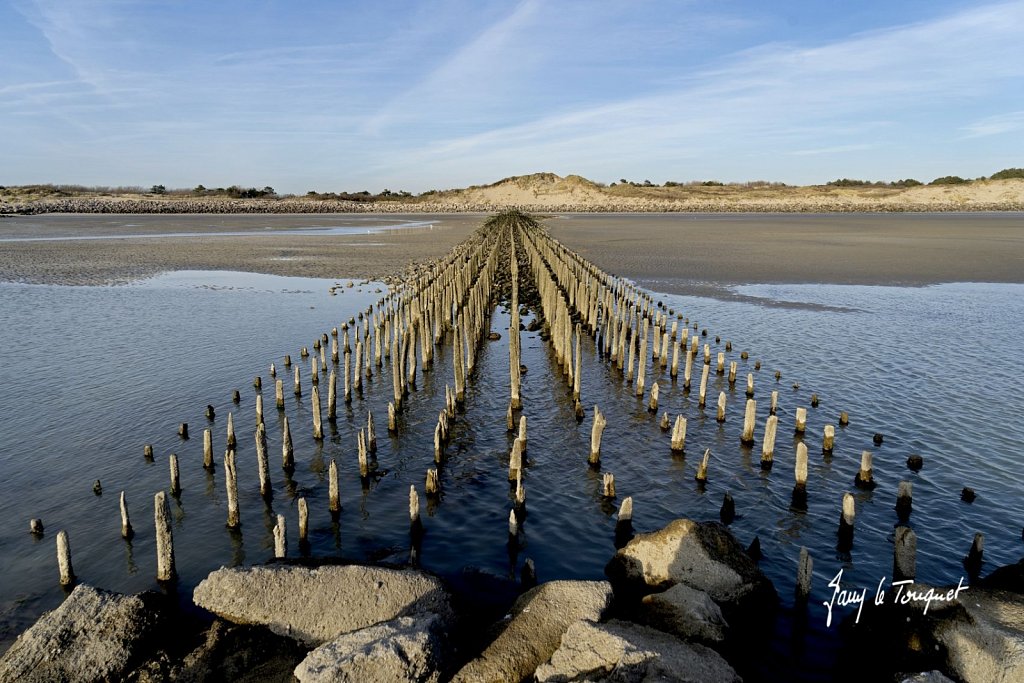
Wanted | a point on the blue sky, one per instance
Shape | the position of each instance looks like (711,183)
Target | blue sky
(420,95)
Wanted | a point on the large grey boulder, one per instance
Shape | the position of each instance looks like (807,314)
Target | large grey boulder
(315,605)
(94,635)
(687,613)
(623,652)
(987,643)
(702,555)
(403,649)
(927,677)
(540,617)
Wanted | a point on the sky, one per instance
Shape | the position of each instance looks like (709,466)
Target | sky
(351,95)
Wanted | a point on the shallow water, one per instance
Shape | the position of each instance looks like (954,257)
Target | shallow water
(93,373)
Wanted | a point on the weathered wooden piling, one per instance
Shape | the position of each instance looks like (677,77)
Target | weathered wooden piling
(287,451)
(768,443)
(303,509)
(828,439)
(522,431)
(211,412)
(844,419)
(126,524)
(273,370)
(800,424)
(164,538)
(904,500)
(231,432)
(175,476)
(147,450)
(259,408)
(688,371)
(35,527)
(720,364)
(773,404)
(318,431)
(510,420)
(297,383)
(702,467)
(720,413)
(846,522)
(515,460)
(608,485)
(279,394)
(904,554)
(333,497)
(800,467)
(665,423)
(414,506)
(975,556)
(67,572)
(371,433)
(732,373)
(749,417)
(702,401)
(208,449)
(262,461)
(674,371)
(750,385)
(392,422)
(364,466)
(595,437)
(183,430)
(513,526)
(236,397)
(652,404)
(433,484)
(865,478)
(679,435)
(804,575)
(280,538)
(231,486)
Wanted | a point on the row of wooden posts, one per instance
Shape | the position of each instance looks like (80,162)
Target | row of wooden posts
(452,298)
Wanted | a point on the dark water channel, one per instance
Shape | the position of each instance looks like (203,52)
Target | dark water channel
(90,374)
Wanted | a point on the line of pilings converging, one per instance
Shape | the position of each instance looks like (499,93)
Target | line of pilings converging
(451,300)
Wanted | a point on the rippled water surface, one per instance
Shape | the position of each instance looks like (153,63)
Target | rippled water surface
(91,374)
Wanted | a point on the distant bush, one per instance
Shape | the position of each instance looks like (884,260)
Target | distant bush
(712,183)
(158,189)
(949,180)
(1008,173)
(849,182)
(907,182)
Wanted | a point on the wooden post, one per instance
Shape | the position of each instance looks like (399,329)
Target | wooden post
(652,405)
(67,572)
(865,479)
(513,526)
(208,449)
(904,500)
(720,364)
(273,370)
(750,385)
(348,379)
(332,396)
(608,485)
(304,514)
(720,415)
(595,437)
(665,423)
(749,415)
(298,383)
(433,485)
(164,538)
(280,539)
(364,470)
(520,495)
(515,460)
(183,430)
(800,469)
(175,478)
(679,434)
(773,406)
(904,554)
(707,354)
(576,372)
(702,468)
(231,432)
(414,505)
(801,420)
(768,445)
(625,517)
(262,461)
(231,484)
(704,386)
(732,373)
(975,556)
(147,450)
(259,408)
(828,440)
(287,452)
(846,522)
(804,575)
(844,419)
(334,500)
(675,360)
(318,431)
(126,525)
(642,363)
(688,371)
(371,433)
(392,423)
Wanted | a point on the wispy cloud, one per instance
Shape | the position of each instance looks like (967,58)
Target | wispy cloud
(995,125)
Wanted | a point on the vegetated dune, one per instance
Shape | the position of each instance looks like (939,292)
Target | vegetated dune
(550,192)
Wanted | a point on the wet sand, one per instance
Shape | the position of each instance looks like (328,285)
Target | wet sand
(701,254)
(689,254)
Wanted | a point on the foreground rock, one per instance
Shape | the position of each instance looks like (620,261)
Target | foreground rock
(315,605)
(987,642)
(93,636)
(540,618)
(622,651)
(701,555)
(687,613)
(403,649)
